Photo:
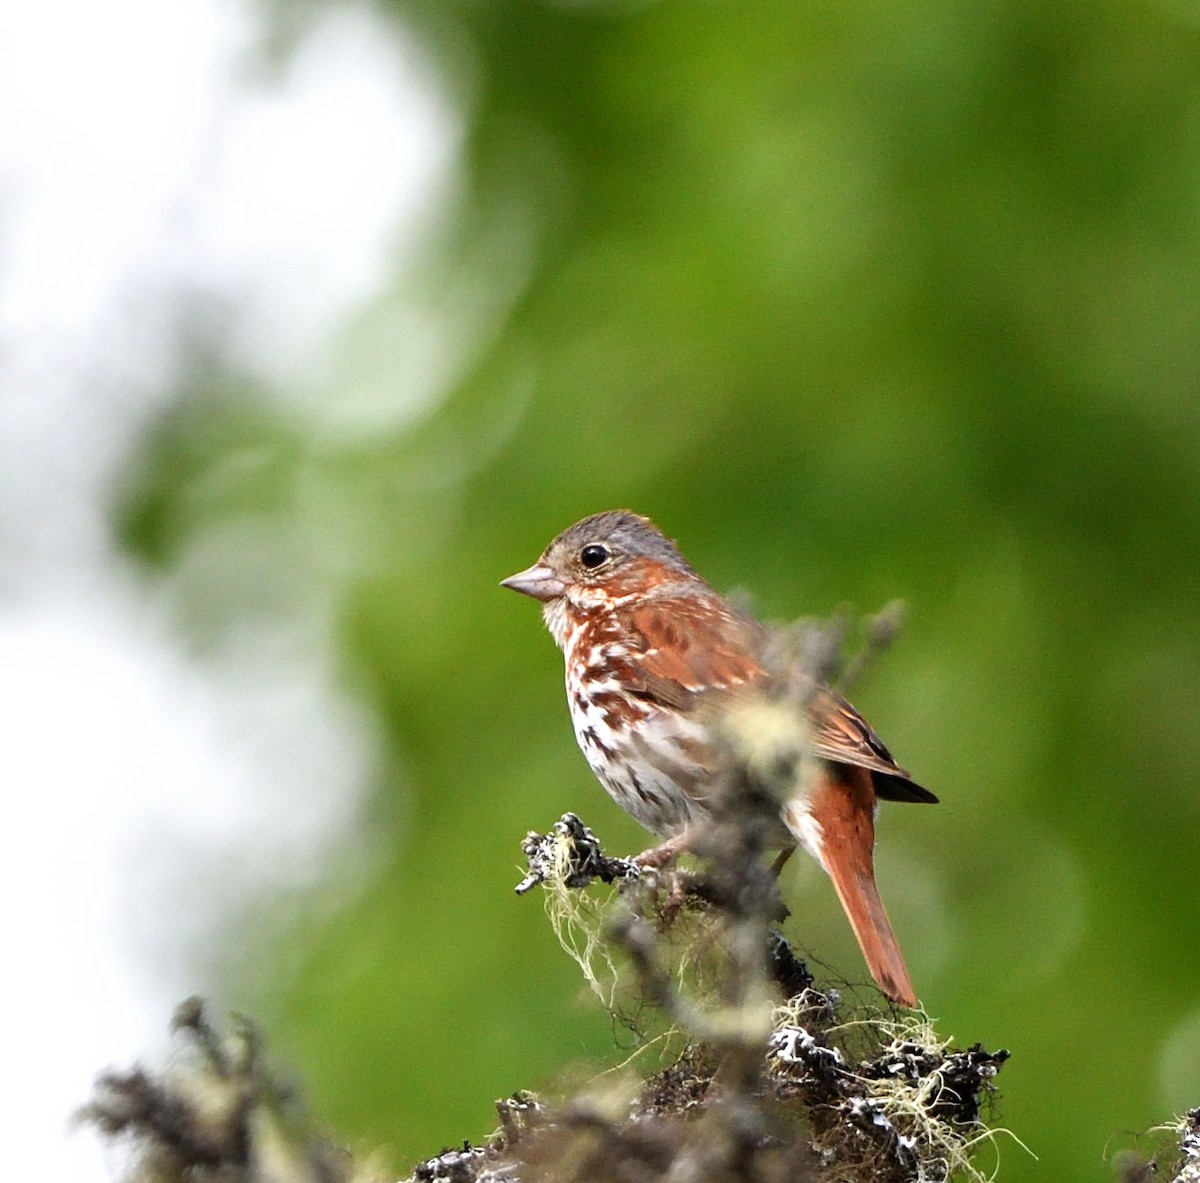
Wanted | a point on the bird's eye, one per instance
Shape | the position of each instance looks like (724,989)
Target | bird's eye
(594,556)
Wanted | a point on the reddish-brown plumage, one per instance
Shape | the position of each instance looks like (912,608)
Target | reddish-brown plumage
(649,646)
(843,805)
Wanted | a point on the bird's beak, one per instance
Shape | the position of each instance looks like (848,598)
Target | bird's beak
(537,581)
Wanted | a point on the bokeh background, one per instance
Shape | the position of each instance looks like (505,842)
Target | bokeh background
(318,320)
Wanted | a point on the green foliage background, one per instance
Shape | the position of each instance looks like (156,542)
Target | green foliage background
(858,300)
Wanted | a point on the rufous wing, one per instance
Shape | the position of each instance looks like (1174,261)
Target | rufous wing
(841,735)
(685,645)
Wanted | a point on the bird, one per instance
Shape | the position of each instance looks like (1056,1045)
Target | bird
(647,645)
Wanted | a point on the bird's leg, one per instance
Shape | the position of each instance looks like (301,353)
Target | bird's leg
(661,857)
(665,853)
(781,859)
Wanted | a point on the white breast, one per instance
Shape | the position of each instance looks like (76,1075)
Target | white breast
(643,755)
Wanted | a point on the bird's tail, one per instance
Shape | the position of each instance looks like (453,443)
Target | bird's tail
(860,898)
(837,825)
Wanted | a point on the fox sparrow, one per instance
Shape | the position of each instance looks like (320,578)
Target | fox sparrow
(648,645)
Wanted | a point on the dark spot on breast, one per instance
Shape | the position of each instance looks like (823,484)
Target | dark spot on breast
(593,740)
(605,700)
(618,709)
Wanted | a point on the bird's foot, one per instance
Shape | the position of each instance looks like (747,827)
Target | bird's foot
(664,854)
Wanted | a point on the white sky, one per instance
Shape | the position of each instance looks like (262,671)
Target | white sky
(144,148)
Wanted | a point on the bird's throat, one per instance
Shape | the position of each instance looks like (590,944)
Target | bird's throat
(557,618)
